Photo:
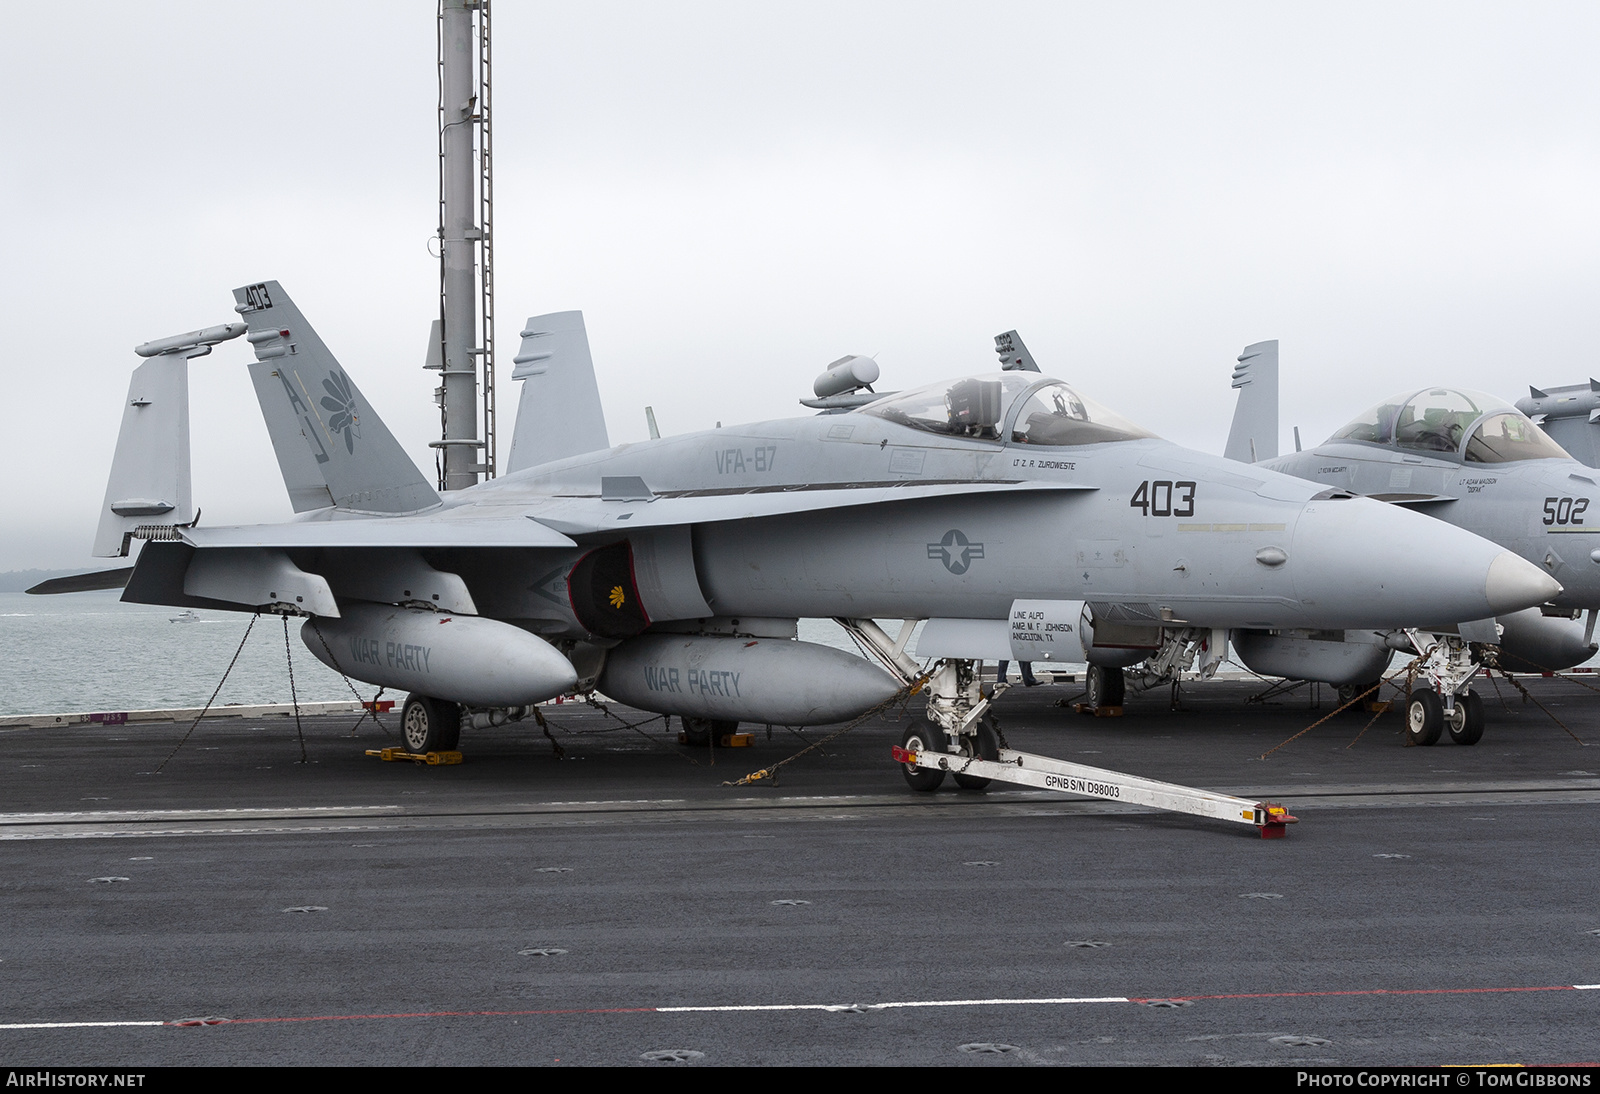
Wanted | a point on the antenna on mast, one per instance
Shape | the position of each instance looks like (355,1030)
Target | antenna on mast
(465,331)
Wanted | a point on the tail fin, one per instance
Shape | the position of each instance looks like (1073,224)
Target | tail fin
(1014,356)
(148,491)
(149,481)
(559,414)
(1254,435)
(332,447)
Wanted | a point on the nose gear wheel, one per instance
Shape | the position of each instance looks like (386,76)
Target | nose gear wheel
(924,737)
(1424,717)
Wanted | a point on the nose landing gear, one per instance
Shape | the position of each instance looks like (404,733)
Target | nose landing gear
(1449,704)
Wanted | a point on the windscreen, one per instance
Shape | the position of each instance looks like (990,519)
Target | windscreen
(1505,438)
(1374,425)
(1058,415)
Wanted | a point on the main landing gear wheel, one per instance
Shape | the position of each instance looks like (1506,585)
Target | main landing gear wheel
(703,732)
(988,742)
(430,725)
(1372,689)
(1466,721)
(1424,717)
(1104,687)
(923,736)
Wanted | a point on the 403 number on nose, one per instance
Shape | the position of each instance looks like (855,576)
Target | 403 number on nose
(1164,499)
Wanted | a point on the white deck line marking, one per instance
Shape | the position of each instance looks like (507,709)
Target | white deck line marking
(74,1025)
(757,1007)
(1003,1002)
(899,1005)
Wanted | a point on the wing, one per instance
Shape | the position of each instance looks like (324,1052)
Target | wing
(628,503)
(550,561)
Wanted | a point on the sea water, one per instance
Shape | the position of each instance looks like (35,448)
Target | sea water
(91,652)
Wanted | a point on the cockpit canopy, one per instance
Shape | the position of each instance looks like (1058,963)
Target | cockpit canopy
(1469,425)
(1049,413)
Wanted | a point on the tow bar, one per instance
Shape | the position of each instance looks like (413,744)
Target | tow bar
(1026,769)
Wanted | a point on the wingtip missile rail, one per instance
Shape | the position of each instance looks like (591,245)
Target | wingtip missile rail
(202,340)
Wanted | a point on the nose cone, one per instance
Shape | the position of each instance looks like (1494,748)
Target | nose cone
(1361,563)
(1515,583)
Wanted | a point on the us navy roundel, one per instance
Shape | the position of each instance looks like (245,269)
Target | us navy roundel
(956,551)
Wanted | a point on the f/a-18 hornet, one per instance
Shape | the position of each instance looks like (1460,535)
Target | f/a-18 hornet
(1473,461)
(1016,515)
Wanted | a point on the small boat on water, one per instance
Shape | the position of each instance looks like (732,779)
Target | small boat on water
(185,616)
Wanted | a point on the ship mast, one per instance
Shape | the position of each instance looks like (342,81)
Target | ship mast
(462,348)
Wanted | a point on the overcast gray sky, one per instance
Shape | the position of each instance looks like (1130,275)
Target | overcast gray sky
(736,194)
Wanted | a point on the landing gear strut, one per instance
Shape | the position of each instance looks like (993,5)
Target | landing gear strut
(1448,665)
(985,745)
(957,728)
(957,725)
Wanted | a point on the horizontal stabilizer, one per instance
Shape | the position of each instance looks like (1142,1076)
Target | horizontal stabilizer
(559,413)
(84,583)
(332,447)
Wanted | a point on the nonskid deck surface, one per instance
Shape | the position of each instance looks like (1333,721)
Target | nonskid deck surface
(1459,876)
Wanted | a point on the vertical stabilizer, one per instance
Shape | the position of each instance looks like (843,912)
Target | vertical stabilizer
(1014,356)
(1254,435)
(332,447)
(559,414)
(149,482)
(148,492)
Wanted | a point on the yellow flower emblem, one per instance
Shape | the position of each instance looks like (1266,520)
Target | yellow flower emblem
(616,596)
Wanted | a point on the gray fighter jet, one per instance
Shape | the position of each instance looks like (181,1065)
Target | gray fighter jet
(1468,459)
(1017,516)
(1570,415)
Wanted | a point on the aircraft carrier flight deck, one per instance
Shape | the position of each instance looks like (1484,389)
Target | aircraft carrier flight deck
(619,903)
